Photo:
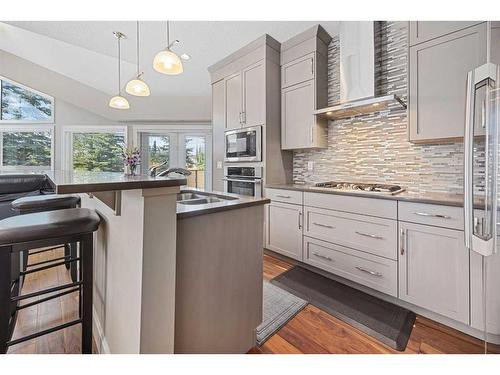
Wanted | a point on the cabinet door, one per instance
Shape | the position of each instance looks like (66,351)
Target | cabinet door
(437,77)
(434,270)
(297,71)
(297,119)
(422,31)
(284,229)
(218,135)
(254,95)
(233,101)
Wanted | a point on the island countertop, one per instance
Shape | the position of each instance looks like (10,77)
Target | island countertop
(69,182)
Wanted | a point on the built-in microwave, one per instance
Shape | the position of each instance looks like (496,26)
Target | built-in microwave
(243,144)
(243,180)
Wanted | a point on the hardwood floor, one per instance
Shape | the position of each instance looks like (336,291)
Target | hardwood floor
(315,331)
(48,314)
(310,331)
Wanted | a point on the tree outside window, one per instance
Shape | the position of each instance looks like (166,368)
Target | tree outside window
(27,148)
(98,152)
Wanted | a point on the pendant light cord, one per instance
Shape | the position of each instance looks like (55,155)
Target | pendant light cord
(137,50)
(119,66)
(168,35)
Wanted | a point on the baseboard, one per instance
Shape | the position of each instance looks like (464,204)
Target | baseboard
(98,335)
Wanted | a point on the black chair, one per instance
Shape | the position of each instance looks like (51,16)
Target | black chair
(37,230)
(41,203)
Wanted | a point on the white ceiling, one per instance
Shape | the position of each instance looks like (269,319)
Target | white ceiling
(206,42)
(86,51)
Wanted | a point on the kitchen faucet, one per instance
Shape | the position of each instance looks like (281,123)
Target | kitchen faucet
(166,172)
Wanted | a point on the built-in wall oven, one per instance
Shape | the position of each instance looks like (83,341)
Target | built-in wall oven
(244,180)
(243,144)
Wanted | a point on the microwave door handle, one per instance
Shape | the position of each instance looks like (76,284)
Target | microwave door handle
(468,160)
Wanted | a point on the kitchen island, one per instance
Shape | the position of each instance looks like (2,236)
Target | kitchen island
(174,270)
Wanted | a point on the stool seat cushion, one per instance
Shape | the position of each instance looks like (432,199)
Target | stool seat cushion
(46,202)
(47,225)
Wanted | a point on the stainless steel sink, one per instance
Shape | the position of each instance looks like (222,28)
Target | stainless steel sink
(201,201)
(189,195)
(195,198)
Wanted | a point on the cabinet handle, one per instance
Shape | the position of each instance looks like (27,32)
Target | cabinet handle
(323,257)
(373,273)
(244,117)
(300,220)
(432,215)
(369,235)
(312,135)
(402,241)
(324,225)
(312,65)
(239,115)
(283,196)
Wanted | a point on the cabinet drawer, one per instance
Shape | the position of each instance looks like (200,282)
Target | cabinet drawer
(287,196)
(432,214)
(361,205)
(297,71)
(369,270)
(369,234)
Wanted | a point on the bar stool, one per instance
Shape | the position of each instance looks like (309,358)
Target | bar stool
(41,203)
(31,231)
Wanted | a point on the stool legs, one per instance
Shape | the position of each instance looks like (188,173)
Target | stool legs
(5,292)
(86,253)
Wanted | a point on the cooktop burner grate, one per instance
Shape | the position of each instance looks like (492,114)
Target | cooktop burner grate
(362,187)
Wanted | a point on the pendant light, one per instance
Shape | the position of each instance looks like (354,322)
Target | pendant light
(118,101)
(137,86)
(166,61)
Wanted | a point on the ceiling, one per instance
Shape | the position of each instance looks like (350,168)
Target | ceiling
(86,51)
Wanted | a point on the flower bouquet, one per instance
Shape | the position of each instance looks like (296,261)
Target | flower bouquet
(131,159)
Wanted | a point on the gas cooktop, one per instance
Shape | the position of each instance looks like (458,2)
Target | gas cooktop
(361,187)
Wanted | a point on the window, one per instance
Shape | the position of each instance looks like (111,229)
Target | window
(23,104)
(97,149)
(177,148)
(155,150)
(195,156)
(26,149)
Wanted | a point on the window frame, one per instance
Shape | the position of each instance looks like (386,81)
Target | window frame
(67,139)
(28,129)
(51,98)
(178,133)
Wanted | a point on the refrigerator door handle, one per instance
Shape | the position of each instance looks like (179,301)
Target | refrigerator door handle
(468,159)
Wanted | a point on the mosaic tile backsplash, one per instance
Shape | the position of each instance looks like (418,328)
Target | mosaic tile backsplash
(374,147)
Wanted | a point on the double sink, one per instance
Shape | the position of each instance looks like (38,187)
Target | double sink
(196,197)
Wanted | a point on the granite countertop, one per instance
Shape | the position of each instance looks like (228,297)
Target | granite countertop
(69,182)
(239,201)
(446,199)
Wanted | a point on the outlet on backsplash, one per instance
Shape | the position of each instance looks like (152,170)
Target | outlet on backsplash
(310,166)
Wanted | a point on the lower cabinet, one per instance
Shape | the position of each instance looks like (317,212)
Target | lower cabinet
(372,271)
(284,229)
(434,270)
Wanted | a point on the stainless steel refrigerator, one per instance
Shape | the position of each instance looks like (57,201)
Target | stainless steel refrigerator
(481,177)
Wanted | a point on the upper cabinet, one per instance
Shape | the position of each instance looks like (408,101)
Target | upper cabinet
(304,77)
(245,95)
(422,31)
(437,73)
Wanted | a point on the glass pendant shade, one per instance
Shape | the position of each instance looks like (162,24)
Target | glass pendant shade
(137,87)
(119,102)
(167,62)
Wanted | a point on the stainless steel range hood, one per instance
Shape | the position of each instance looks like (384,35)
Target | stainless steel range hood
(357,74)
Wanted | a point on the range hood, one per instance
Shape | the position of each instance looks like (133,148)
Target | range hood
(357,74)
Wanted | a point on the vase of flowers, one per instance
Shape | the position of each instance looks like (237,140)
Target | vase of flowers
(131,160)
